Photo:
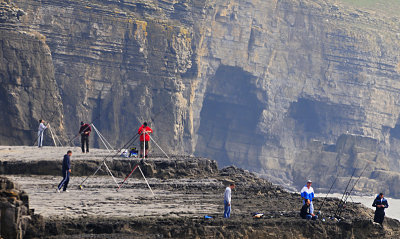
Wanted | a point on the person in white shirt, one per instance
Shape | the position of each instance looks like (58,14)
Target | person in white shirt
(227,200)
(41,129)
(307,192)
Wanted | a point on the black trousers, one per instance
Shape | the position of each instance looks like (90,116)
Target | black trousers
(85,138)
(379,216)
(64,182)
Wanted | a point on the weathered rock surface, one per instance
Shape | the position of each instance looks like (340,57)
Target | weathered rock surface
(250,83)
(48,161)
(279,75)
(15,216)
(28,91)
(179,205)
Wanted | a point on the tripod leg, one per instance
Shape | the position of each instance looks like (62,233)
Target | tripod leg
(101,138)
(80,185)
(52,136)
(158,146)
(104,139)
(126,178)
(148,185)
(109,171)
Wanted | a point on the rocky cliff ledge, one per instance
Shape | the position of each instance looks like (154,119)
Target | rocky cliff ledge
(250,83)
(178,206)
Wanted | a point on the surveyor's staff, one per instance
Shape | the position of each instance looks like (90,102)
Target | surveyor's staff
(107,156)
(76,136)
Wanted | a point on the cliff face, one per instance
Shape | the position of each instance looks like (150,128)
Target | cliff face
(251,83)
(302,72)
(122,63)
(28,91)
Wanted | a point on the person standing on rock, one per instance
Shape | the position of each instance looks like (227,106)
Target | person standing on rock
(307,192)
(306,213)
(85,133)
(66,170)
(227,200)
(41,129)
(144,132)
(380,203)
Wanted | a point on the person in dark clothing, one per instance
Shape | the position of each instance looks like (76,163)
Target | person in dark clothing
(66,170)
(85,133)
(380,203)
(305,211)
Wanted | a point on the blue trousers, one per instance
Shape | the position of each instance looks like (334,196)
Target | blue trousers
(310,217)
(40,138)
(64,182)
(227,210)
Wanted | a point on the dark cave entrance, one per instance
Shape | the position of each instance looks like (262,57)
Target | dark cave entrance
(228,119)
(319,119)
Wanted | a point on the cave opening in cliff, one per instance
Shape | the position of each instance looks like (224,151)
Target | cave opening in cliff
(228,119)
(324,119)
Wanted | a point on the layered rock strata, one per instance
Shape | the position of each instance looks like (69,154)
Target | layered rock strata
(28,91)
(249,83)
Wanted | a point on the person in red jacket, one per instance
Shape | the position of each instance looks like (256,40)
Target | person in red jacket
(144,132)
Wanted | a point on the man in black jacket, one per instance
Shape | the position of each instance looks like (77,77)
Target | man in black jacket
(380,203)
(305,211)
(85,133)
(66,170)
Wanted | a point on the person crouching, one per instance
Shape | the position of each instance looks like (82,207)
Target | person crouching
(305,211)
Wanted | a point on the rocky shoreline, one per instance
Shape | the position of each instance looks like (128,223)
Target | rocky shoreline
(178,208)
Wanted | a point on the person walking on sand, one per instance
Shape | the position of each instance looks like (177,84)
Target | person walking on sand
(85,133)
(227,200)
(41,129)
(66,170)
(144,132)
(307,192)
(380,203)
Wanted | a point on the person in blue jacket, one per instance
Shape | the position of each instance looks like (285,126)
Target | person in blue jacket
(66,170)
(380,203)
(307,192)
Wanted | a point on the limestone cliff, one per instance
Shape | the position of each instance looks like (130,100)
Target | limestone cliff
(303,71)
(28,91)
(259,84)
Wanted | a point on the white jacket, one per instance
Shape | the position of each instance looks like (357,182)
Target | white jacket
(42,127)
(227,194)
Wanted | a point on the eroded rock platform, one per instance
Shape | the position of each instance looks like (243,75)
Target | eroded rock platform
(180,201)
